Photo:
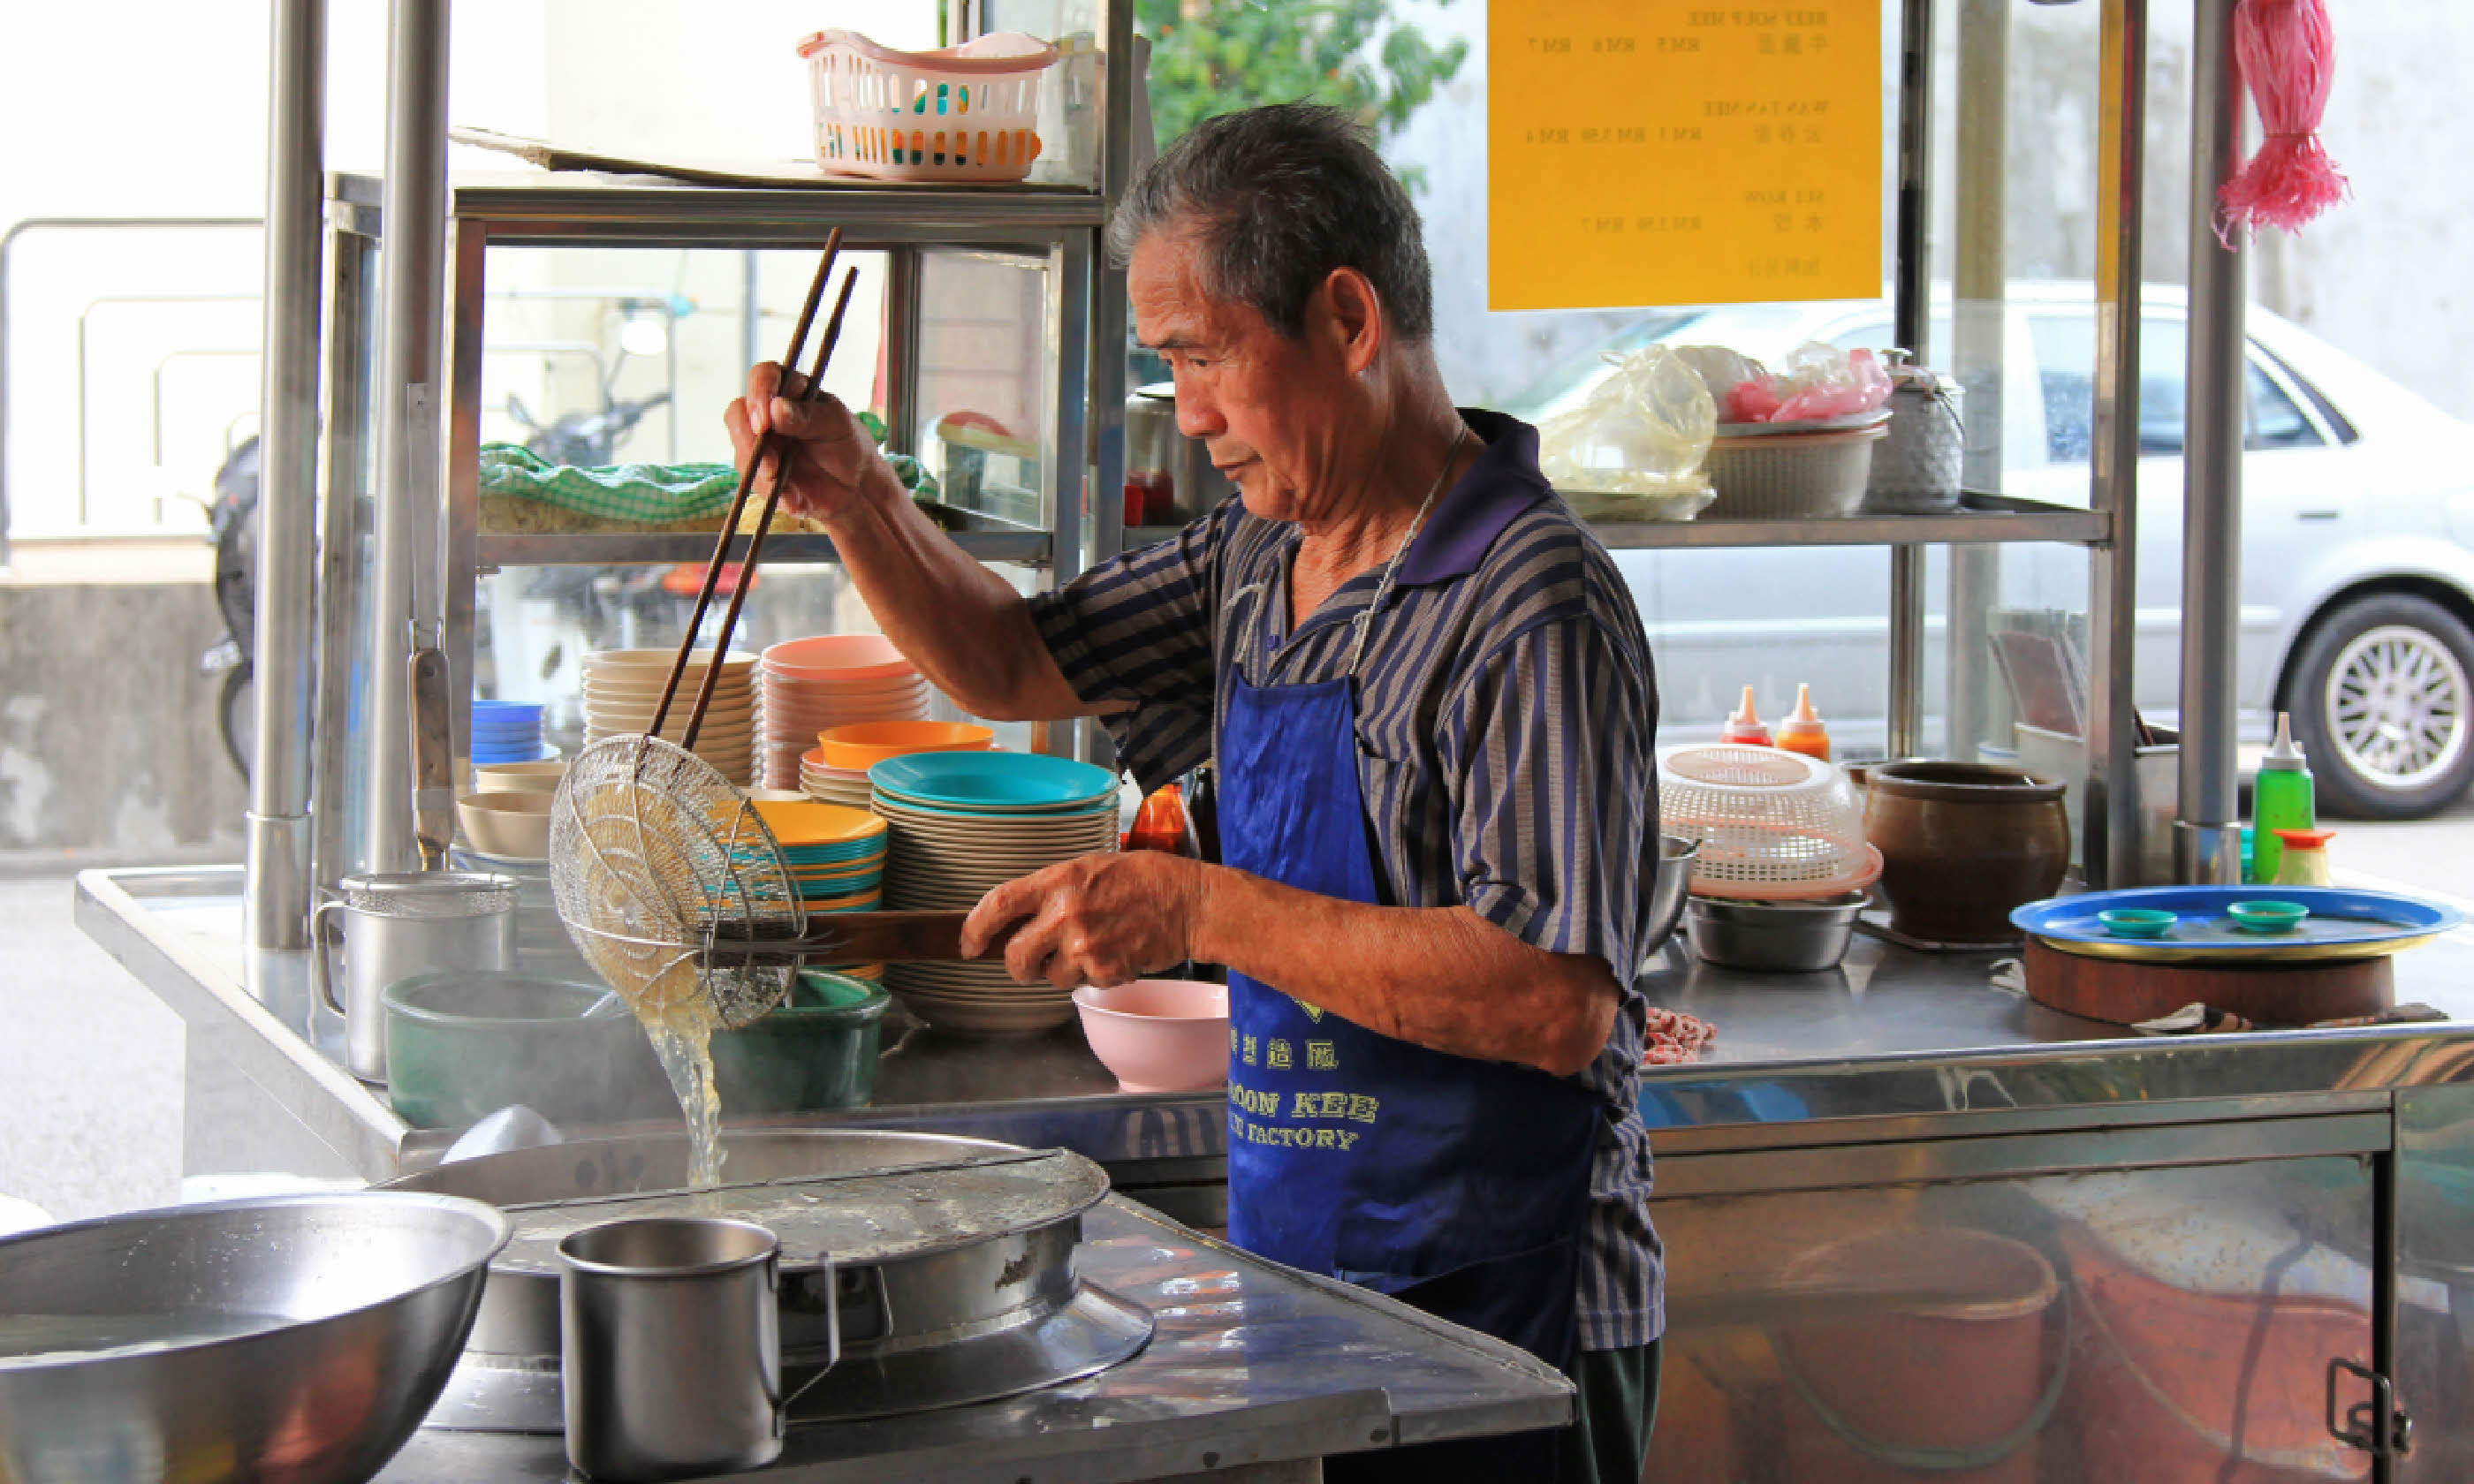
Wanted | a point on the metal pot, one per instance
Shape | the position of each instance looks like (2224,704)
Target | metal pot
(1152,443)
(981,1307)
(401,923)
(1667,892)
(295,1337)
(1774,937)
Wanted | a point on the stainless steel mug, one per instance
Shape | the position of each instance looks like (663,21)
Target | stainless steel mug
(670,1347)
(401,923)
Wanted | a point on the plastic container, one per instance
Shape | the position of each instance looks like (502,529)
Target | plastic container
(958,113)
(1953,1383)
(1803,732)
(1790,475)
(1159,1035)
(1772,826)
(1161,824)
(818,1051)
(1744,729)
(2283,796)
(2302,856)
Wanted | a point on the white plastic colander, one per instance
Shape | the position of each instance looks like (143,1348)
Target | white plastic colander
(1773,824)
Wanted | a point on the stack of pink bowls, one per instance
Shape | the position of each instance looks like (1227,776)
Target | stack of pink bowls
(835,680)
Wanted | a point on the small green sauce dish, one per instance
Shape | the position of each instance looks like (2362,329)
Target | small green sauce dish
(2262,916)
(2135,921)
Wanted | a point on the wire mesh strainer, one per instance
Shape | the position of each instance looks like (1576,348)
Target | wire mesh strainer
(652,851)
(1773,824)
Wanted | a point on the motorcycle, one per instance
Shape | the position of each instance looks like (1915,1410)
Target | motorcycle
(584,439)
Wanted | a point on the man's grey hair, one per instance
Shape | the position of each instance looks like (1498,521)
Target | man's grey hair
(1280,197)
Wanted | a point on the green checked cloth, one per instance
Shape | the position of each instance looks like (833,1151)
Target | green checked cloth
(637,493)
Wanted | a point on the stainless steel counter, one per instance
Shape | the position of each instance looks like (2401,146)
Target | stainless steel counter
(1901,1094)
(1251,1365)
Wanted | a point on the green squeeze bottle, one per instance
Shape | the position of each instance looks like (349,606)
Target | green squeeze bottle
(2281,798)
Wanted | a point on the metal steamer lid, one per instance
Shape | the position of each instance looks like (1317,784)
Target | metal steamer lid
(430,894)
(852,1218)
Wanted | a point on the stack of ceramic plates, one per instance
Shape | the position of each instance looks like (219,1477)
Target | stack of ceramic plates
(836,859)
(835,769)
(506,731)
(623,687)
(964,823)
(835,680)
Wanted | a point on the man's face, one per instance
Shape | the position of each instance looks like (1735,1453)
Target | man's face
(1286,419)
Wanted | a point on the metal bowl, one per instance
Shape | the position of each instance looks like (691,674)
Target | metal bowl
(1774,937)
(298,1337)
(1668,891)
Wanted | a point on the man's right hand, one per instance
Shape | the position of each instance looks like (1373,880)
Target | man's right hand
(825,461)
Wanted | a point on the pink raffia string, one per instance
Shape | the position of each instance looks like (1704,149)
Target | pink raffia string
(2288,53)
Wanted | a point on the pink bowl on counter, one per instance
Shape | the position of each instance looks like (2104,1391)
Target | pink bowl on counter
(1160,1035)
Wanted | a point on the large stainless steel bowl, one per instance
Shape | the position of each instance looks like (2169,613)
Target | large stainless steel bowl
(296,1338)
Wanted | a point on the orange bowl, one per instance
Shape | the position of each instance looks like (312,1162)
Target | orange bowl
(862,745)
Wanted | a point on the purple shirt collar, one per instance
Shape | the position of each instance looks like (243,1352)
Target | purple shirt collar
(1504,482)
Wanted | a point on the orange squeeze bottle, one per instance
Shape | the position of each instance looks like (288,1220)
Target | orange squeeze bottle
(1803,732)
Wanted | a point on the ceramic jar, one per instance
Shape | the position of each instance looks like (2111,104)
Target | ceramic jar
(1962,844)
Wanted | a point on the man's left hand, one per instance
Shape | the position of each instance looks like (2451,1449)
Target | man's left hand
(1100,920)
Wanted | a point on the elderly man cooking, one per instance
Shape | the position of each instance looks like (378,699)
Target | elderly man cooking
(1430,702)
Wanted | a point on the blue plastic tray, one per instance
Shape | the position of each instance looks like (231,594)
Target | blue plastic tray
(2342,924)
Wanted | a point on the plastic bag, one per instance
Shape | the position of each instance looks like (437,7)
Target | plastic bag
(1822,381)
(1644,431)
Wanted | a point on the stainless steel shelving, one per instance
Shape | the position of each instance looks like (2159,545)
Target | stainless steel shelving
(1983,518)
(620,548)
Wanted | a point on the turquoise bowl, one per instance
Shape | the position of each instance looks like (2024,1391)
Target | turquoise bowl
(2260,916)
(2136,922)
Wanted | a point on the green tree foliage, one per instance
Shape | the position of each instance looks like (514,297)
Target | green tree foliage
(1213,57)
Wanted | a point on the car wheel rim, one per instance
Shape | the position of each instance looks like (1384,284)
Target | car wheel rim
(2395,705)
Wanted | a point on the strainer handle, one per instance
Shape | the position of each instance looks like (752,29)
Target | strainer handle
(852,938)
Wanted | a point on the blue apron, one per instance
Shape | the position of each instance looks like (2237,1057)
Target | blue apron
(1458,1186)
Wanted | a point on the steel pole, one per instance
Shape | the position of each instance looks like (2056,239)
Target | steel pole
(2207,836)
(2109,845)
(276,900)
(1913,313)
(412,301)
(1979,289)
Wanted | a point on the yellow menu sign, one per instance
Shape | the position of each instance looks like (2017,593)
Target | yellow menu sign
(1680,152)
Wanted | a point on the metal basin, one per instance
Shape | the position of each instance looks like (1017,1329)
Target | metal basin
(294,1338)
(950,1287)
(1667,889)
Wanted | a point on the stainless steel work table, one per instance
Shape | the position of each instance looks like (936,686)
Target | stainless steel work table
(1249,1364)
(1901,1091)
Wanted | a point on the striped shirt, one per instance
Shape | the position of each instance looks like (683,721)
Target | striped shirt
(1506,712)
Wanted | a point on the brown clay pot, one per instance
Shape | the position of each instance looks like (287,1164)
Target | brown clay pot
(1962,844)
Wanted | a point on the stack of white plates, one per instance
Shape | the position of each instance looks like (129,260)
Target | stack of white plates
(623,687)
(962,823)
(834,785)
(833,679)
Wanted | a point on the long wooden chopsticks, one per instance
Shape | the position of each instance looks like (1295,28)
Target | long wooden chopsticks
(730,522)
(765,521)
